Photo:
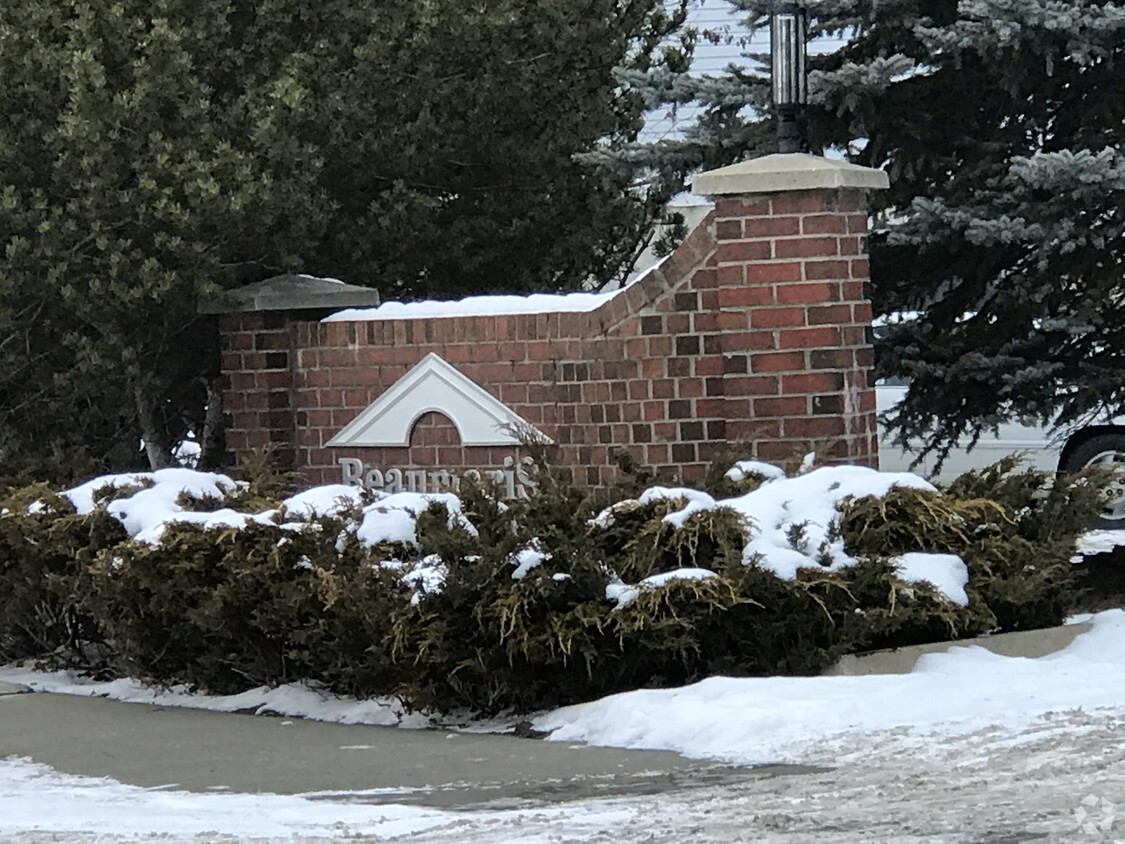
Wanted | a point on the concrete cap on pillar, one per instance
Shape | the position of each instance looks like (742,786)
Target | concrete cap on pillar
(291,293)
(784,172)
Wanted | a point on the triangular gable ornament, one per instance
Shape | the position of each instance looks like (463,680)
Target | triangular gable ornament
(434,386)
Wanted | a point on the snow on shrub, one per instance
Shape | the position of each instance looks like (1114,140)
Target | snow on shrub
(467,600)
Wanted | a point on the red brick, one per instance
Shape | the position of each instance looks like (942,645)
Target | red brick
(746,297)
(812,382)
(809,338)
(806,247)
(733,320)
(857,223)
(769,227)
(271,380)
(782,406)
(754,430)
(799,203)
(820,270)
(810,292)
(818,426)
(689,388)
(861,313)
(707,279)
(741,208)
(710,365)
(830,315)
(706,321)
(773,272)
(777,362)
(861,269)
(752,385)
(711,407)
(729,276)
(728,230)
(824,224)
(777,317)
(753,341)
(743,252)
(831,359)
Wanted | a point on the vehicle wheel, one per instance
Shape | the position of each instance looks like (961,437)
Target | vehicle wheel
(1104,450)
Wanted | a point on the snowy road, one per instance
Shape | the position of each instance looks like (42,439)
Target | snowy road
(994,787)
(970,747)
(1056,781)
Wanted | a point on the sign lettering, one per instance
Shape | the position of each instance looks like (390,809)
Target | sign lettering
(514,479)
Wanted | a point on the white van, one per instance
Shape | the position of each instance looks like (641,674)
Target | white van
(1064,452)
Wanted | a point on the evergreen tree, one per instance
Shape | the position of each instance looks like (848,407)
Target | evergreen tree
(154,151)
(1001,124)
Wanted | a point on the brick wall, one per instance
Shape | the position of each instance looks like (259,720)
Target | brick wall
(756,330)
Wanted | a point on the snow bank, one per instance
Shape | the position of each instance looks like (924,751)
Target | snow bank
(798,719)
(36,801)
(749,721)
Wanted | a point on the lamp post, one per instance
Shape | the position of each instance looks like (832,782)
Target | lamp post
(789,51)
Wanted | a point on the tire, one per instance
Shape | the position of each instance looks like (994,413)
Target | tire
(1106,450)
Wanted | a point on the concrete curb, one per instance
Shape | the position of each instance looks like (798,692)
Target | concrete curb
(13,689)
(1028,644)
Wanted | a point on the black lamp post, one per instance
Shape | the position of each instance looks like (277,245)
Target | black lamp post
(789,51)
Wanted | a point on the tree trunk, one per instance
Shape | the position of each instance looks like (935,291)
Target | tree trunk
(212,441)
(156,449)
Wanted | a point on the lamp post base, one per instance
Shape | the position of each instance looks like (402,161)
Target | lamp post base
(788,131)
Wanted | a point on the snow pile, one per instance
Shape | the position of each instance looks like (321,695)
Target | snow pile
(798,719)
(146,512)
(537,303)
(794,519)
(792,523)
(1099,542)
(37,802)
(623,595)
(945,572)
(744,469)
(158,501)
(393,518)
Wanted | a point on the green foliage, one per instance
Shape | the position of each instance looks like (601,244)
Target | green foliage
(1015,530)
(542,601)
(230,609)
(152,154)
(1000,124)
(45,552)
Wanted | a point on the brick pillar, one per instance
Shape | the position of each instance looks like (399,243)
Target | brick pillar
(257,358)
(792,274)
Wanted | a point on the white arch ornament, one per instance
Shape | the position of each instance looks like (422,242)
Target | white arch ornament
(435,386)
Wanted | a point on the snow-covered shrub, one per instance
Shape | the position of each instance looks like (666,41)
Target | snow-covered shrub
(473,601)
(45,549)
(229,608)
(1015,530)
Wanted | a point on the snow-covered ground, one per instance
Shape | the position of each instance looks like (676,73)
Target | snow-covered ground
(969,747)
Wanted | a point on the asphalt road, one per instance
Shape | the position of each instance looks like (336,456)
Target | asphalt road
(202,751)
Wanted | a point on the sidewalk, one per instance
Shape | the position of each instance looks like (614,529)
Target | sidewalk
(202,751)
